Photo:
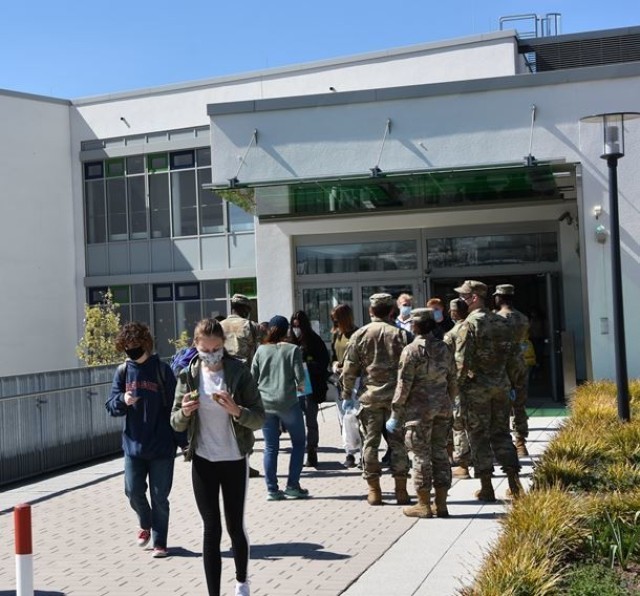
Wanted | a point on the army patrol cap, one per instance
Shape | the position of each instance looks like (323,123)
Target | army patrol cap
(471,286)
(381,300)
(240,299)
(422,315)
(505,290)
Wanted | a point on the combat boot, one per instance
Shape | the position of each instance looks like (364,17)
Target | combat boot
(441,501)
(422,508)
(486,493)
(402,496)
(374,497)
(521,447)
(461,471)
(515,488)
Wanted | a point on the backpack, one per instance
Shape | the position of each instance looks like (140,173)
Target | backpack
(180,360)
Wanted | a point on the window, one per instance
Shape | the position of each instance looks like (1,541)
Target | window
(188,291)
(211,206)
(157,162)
(239,219)
(93,170)
(159,205)
(182,159)
(117,209)
(492,250)
(162,292)
(137,208)
(158,195)
(393,255)
(95,211)
(184,203)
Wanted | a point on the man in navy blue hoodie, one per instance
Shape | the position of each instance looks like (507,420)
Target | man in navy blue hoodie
(142,391)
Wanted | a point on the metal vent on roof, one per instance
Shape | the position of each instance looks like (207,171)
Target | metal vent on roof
(577,53)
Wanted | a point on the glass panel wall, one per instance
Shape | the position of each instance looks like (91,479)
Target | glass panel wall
(393,255)
(319,302)
(506,249)
(160,192)
(170,308)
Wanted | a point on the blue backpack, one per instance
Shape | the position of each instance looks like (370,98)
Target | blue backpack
(180,360)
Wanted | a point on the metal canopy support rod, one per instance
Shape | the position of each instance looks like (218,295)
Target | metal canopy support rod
(233,182)
(375,170)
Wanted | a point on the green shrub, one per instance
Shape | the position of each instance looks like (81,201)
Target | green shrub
(594,580)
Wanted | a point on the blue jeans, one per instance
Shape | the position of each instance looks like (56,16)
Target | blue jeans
(294,422)
(154,517)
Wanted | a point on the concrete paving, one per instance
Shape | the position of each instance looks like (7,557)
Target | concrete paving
(331,544)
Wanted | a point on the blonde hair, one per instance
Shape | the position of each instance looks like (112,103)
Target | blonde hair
(404,297)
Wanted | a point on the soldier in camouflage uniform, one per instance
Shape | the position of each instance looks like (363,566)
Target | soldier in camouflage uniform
(485,357)
(503,298)
(373,354)
(461,450)
(423,402)
(242,336)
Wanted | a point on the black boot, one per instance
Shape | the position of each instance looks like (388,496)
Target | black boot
(312,458)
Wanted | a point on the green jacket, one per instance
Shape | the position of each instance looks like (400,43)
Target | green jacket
(243,389)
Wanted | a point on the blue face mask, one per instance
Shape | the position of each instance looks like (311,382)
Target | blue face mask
(405,311)
(438,317)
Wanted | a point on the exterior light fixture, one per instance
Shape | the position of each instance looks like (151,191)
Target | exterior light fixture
(612,150)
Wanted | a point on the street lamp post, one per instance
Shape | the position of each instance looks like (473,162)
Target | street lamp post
(613,150)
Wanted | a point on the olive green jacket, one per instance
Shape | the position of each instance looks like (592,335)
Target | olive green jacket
(243,389)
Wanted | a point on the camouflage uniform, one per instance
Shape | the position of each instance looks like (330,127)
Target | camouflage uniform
(461,447)
(242,337)
(484,353)
(373,354)
(520,326)
(423,401)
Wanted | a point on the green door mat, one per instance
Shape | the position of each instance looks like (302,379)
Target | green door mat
(548,412)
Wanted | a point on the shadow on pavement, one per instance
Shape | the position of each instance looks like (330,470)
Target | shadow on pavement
(279,550)
(35,593)
(181,552)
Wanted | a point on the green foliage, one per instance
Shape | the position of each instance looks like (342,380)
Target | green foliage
(594,580)
(101,326)
(184,341)
(616,538)
(583,511)
(245,198)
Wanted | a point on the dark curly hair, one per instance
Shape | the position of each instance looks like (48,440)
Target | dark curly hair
(134,335)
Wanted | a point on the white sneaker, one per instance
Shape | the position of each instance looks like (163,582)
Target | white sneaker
(242,589)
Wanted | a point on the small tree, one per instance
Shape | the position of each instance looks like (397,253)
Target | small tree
(183,341)
(101,325)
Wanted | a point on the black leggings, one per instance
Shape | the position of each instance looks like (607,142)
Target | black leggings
(208,477)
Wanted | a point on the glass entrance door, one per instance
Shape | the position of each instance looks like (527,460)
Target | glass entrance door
(537,296)
(318,300)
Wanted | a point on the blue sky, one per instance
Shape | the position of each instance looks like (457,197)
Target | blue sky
(74,48)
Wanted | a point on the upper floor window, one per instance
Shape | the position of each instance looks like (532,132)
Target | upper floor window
(158,195)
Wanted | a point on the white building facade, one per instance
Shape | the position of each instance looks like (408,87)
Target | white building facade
(407,170)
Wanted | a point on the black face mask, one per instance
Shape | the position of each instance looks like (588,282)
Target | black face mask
(135,353)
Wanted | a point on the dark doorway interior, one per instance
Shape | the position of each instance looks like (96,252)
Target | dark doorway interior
(538,297)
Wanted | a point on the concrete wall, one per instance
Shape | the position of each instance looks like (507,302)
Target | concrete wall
(38,302)
(464,127)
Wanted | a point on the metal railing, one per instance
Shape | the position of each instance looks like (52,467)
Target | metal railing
(55,419)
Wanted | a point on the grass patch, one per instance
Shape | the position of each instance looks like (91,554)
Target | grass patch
(577,531)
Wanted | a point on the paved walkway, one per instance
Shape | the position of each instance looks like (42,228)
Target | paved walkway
(334,543)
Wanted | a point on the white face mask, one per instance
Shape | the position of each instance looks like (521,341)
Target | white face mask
(211,358)
(297,331)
